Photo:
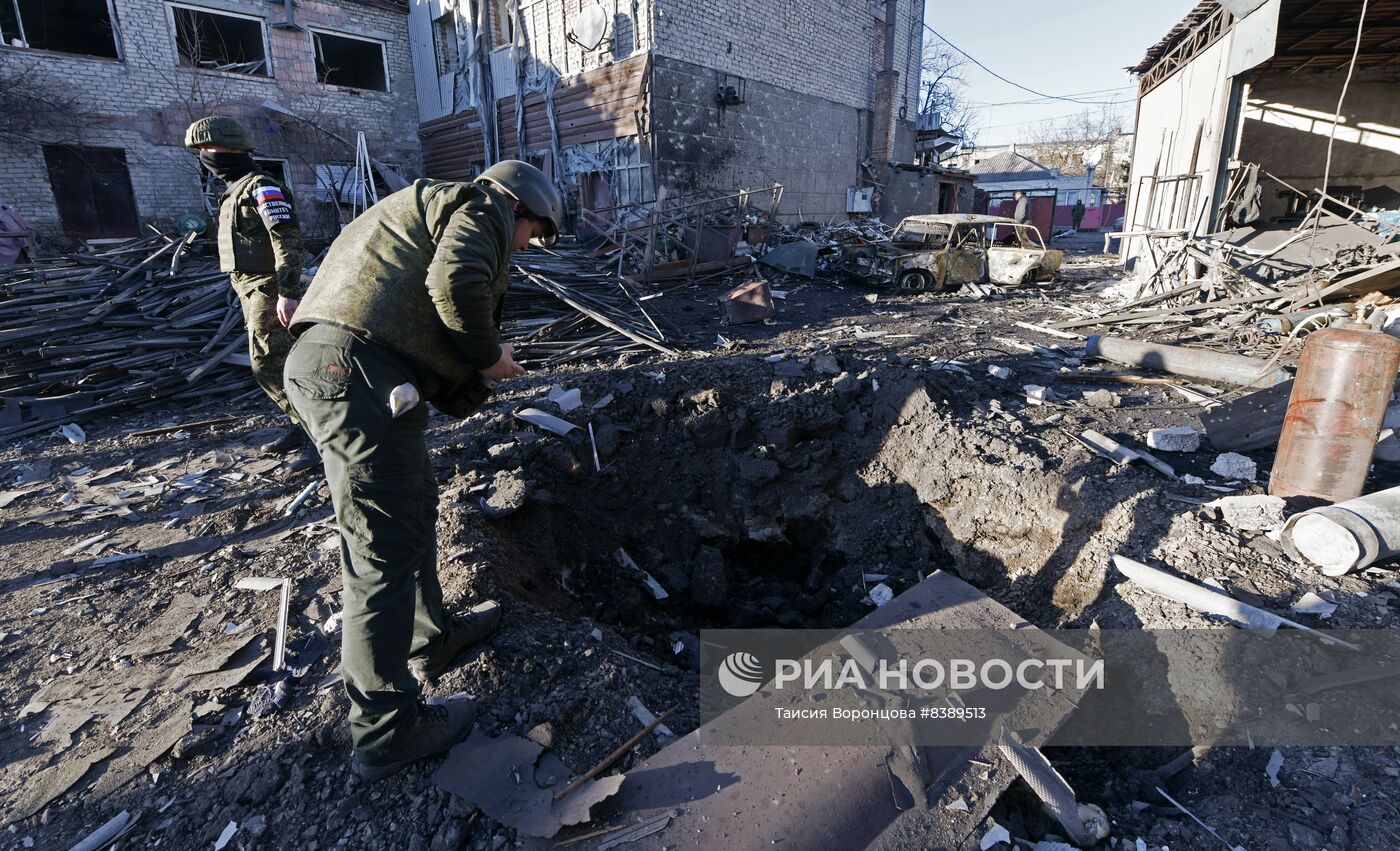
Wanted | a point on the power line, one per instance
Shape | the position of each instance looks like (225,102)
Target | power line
(975,61)
(978,103)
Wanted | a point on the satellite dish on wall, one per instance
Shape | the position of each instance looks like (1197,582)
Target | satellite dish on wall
(590,27)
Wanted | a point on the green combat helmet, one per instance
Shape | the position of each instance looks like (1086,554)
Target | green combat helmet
(530,187)
(219,130)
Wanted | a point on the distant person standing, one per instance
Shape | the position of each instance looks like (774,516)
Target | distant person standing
(260,248)
(1076,213)
(1023,209)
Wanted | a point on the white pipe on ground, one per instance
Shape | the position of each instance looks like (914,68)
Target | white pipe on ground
(1351,535)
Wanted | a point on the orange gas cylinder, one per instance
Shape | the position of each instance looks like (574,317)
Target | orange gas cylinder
(1339,399)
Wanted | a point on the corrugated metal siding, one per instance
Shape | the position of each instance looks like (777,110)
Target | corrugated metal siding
(601,104)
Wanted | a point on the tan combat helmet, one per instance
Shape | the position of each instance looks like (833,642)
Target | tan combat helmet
(530,187)
(219,130)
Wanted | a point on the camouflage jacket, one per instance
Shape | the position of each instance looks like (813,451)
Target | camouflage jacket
(258,232)
(423,272)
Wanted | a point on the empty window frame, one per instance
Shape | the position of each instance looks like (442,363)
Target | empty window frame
(215,41)
(445,43)
(356,63)
(67,26)
(502,26)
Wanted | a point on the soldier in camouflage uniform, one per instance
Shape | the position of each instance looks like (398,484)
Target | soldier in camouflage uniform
(406,307)
(260,248)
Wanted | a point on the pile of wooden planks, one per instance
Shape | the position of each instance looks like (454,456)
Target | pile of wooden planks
(86,333)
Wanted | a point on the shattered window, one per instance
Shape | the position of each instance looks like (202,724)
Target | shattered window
(356,63)
(67,26)
(926,234)
(217,42)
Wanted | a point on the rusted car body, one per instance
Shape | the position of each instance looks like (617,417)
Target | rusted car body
(940,253)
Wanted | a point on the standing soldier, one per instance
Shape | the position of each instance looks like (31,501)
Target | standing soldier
(1076,213)
(407,307)
(260,248)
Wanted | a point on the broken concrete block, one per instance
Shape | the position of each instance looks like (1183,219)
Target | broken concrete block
(998,372)
(1232,465)
(1037,395)
(1102,399)
(1251,513)
(826,365)
(750,302)
(1175,439)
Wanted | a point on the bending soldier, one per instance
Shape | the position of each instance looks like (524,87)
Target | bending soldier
(406,307)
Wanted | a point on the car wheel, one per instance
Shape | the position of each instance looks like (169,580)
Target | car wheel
(915,281)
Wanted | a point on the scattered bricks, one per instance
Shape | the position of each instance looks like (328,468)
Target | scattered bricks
(750,302)
(1176,439)
(1234,466)
(1250,513)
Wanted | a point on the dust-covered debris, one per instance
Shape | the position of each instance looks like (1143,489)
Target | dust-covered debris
(768,482)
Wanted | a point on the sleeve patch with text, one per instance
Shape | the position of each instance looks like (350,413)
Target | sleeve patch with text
(272,204)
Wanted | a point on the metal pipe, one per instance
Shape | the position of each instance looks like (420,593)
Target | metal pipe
(1203,364)
(1348,536)
(1284,323)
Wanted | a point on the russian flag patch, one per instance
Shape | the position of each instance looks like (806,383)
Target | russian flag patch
(264,194)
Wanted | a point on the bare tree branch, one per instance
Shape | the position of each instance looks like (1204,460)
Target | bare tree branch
(1063,143)
(944,90)
(36,110)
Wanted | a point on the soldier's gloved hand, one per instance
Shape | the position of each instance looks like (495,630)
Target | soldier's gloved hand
(286,308)
(504,368)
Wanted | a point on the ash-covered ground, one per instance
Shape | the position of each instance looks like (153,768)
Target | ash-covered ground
(759,479)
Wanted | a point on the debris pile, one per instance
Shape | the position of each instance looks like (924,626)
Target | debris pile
(682,236)
(558,314)
(99,332)
(1255,279)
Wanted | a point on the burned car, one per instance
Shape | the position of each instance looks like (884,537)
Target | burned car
(940,253)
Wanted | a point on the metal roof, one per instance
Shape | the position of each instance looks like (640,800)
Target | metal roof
(1311,33)
(1193,19)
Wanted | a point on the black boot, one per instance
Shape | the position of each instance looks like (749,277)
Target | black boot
(305,459)
(290,439)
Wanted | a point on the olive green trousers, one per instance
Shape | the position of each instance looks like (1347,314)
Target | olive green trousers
(268,341)
(385,496)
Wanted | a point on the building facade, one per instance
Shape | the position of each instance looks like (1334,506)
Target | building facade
(95,96)
(629,101)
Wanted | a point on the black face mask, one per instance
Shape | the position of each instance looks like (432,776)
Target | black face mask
(228,166)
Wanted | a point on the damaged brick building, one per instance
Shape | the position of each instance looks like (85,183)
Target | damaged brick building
(95,96)
(625,102)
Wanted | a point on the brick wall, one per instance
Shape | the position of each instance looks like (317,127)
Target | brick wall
(811,145)
(825,48)
(143,103)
